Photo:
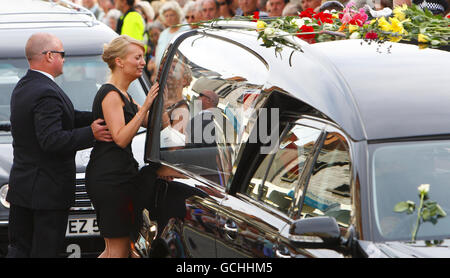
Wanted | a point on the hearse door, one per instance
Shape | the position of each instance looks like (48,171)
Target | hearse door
(202,113)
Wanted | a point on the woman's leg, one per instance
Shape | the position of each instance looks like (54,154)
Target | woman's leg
(117,247)
(104,254)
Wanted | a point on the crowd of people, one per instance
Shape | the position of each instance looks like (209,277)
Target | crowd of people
(163,19)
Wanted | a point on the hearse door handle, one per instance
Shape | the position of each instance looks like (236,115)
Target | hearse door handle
(282,252)
(231,229)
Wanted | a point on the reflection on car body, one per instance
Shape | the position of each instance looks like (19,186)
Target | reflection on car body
(348,137)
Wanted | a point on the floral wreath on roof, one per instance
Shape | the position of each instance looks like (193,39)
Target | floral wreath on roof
(406,23)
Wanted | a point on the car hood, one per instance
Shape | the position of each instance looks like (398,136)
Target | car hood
(396,249)
(81,158)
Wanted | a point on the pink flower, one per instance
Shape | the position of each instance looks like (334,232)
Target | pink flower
(346,18)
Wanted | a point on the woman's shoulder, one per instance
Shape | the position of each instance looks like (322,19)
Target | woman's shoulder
(104,90)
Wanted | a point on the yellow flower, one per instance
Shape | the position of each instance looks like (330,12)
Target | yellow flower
(385,26)
(423,38)
(397,26)
(399,12)
(353,28)
(260,25)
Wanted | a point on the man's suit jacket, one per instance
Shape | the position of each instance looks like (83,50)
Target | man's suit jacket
(46,132)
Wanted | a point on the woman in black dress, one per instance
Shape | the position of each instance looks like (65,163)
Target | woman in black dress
(112,168)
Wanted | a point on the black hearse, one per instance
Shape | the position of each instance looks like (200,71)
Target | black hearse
(314,147)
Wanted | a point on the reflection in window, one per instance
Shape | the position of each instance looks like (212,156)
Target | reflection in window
(397,170)
(208,103)
(285,168)
(328,191)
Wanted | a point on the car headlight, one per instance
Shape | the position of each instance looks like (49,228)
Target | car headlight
(3,193)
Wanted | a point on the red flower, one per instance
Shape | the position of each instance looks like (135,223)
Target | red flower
(371,35)
(323,18)
(307,37)
(307,13)
(255,16)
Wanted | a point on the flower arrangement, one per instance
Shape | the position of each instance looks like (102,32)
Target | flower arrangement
(406,23)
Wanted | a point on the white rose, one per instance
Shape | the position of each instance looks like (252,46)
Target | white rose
(307,20)
(355,35)
(423,188)
(298,22)
(328,26)
(269,31)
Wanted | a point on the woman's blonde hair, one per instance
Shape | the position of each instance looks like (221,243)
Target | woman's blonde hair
(118,48)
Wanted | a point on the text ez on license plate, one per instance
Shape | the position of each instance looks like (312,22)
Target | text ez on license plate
(82,227)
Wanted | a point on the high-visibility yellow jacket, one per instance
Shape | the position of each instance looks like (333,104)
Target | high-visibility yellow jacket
(133,25)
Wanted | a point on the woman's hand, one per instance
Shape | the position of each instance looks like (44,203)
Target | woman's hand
(151,96)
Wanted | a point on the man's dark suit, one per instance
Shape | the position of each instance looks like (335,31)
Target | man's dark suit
(47,132)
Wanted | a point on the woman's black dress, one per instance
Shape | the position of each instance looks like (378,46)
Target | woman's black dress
(111,175)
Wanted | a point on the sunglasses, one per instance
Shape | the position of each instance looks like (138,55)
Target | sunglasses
(62,53)
(189,16)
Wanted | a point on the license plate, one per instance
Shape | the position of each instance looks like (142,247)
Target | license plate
(82,227)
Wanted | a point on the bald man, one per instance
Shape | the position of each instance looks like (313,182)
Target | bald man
(47,132)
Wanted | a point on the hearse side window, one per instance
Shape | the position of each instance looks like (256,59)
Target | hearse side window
(328,190)
(277,177)
(209,99)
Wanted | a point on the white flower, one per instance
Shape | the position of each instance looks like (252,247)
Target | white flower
(298,22)
(423,188)
(328,26)
(307,20)
(355,35)
(269,32)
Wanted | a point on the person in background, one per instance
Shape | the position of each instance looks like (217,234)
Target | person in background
(225,10)
(199,10)
(93,6)
(292,9)
(111,18)
(173,16)
(155,30)
(248,7)
(156,5)
(189,14)
(331,5)
(381,4)
(276,7)
(210,9)
(313,4)
(262,5)
(131,22)
(47,132)
(147,13)
(106,5)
